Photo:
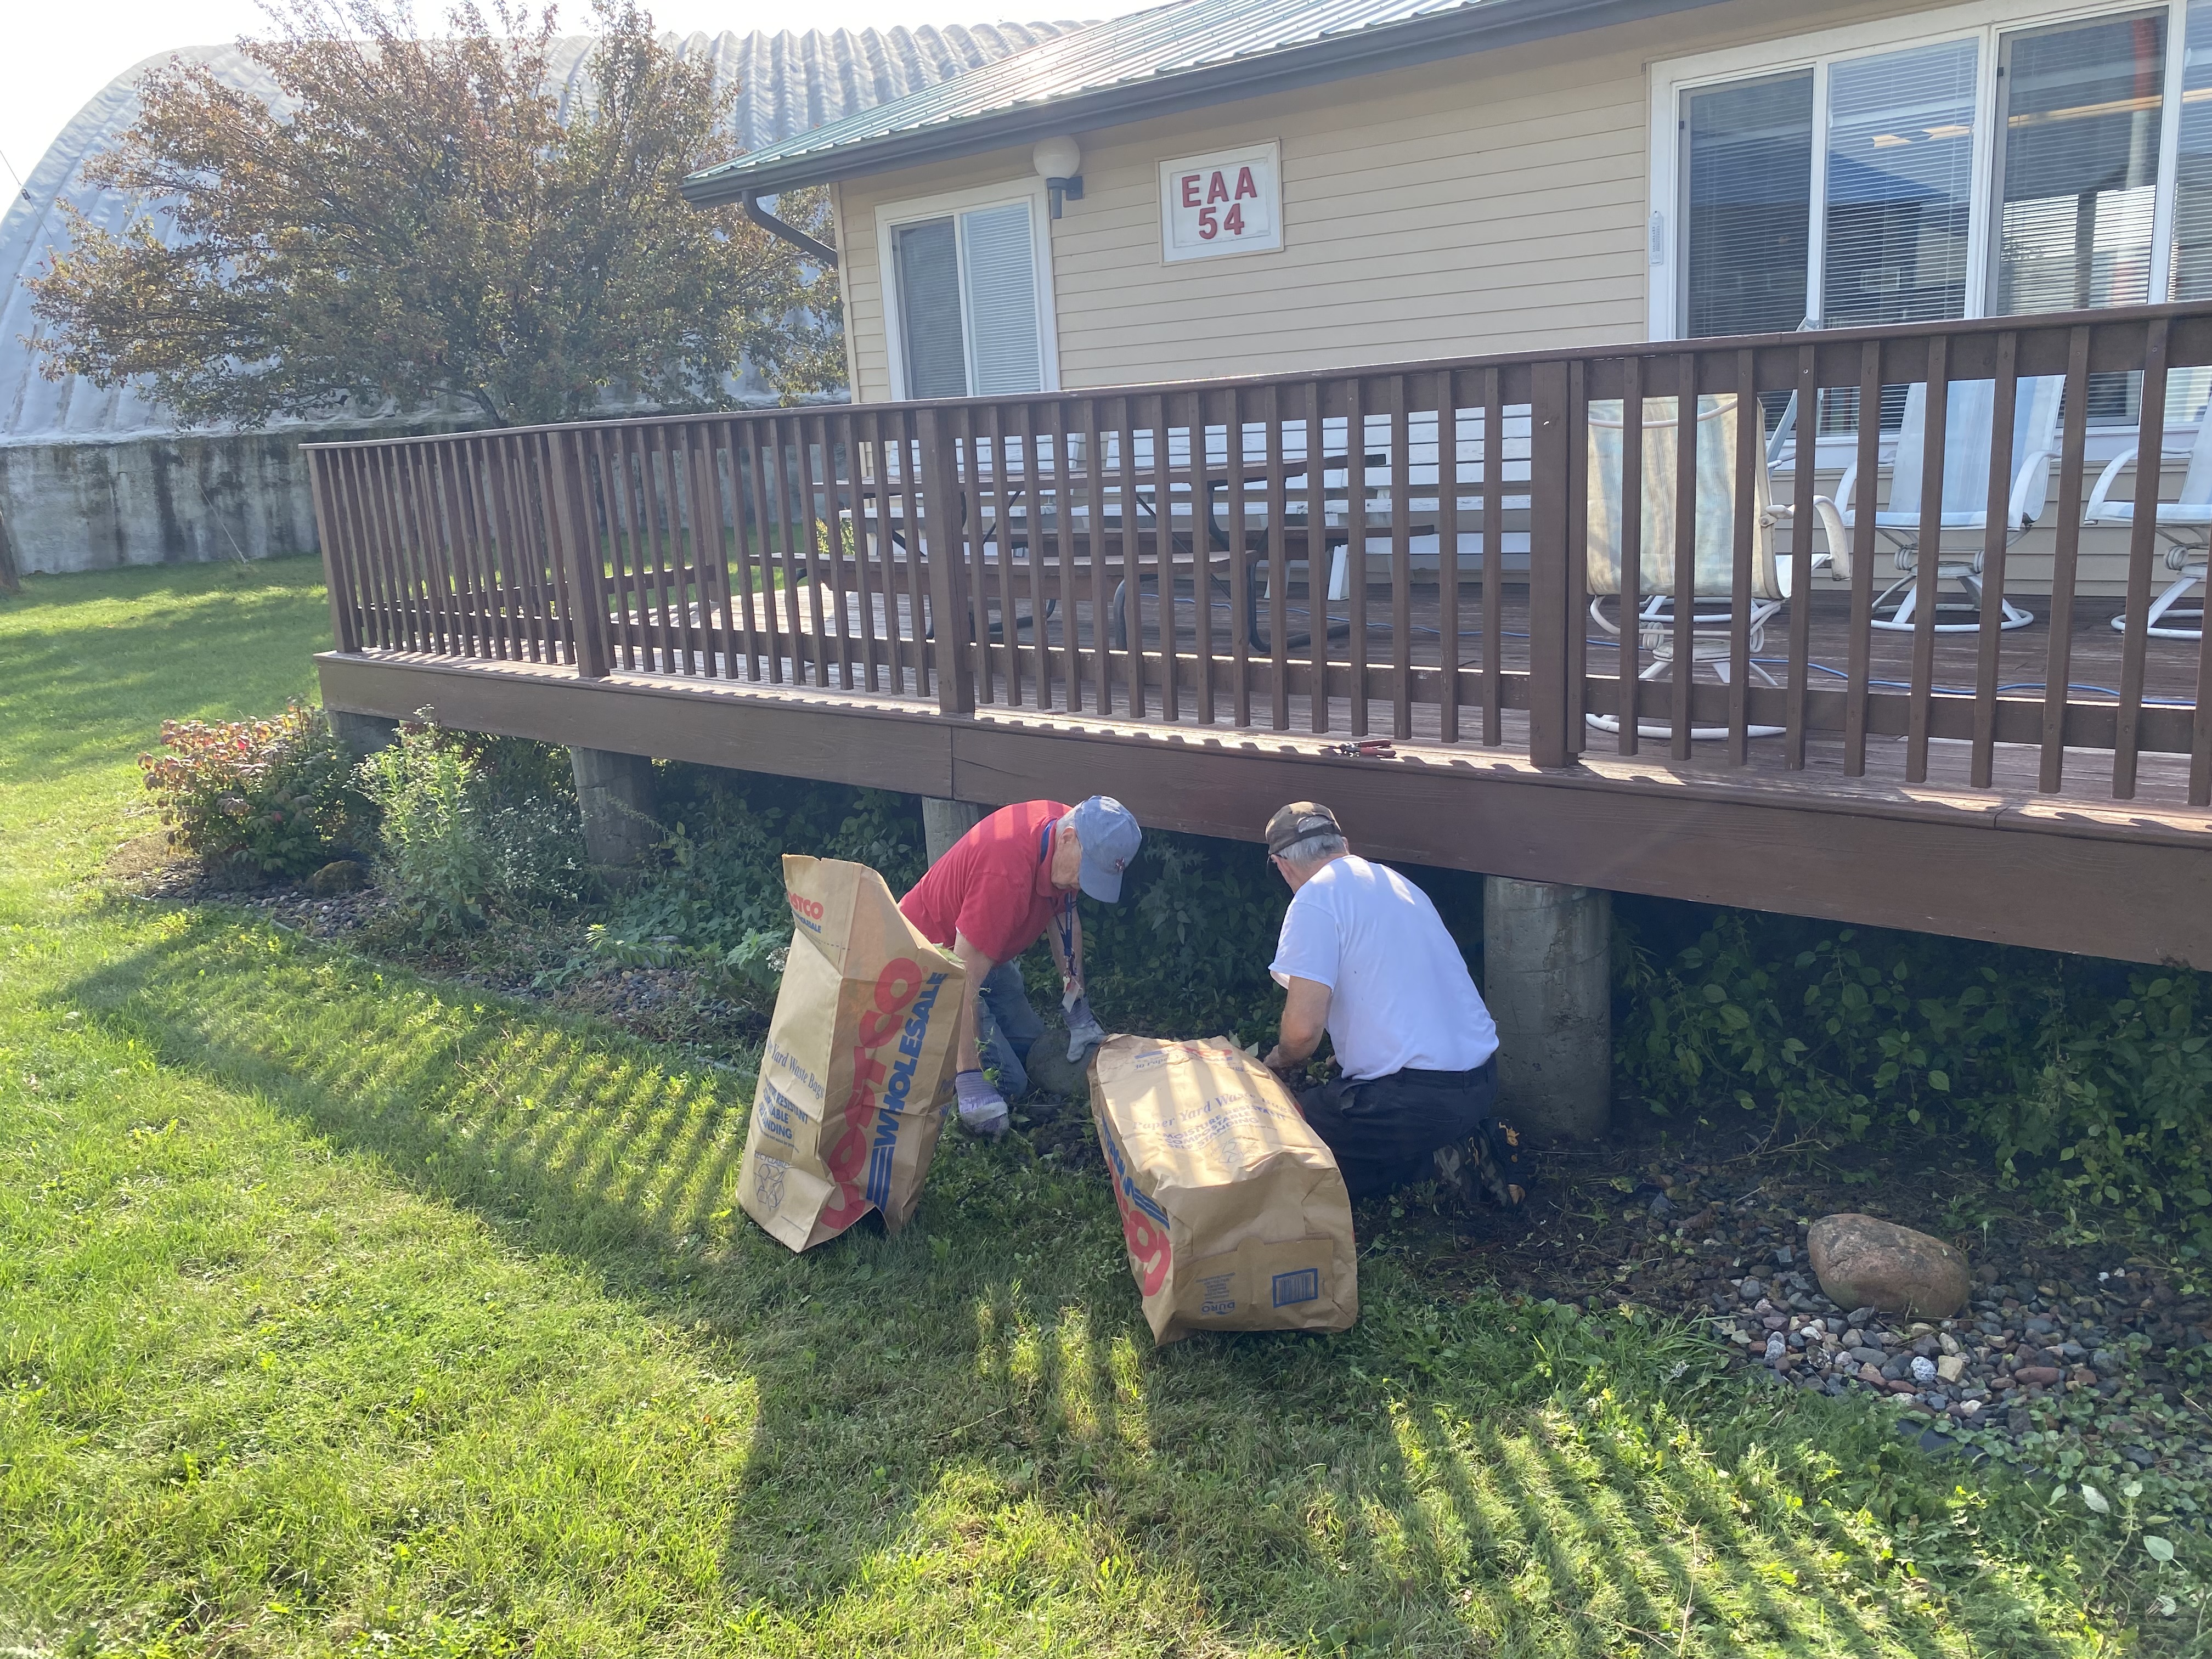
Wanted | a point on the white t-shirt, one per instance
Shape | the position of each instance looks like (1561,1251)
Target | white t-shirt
(1399,992)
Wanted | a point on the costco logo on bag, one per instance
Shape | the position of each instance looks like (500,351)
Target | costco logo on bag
(808,911)
(1144,1224)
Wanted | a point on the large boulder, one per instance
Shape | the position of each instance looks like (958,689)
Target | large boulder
(339,876)
(1863,1262)
(1050,1070)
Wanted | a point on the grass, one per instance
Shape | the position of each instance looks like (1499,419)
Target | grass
(344,1311)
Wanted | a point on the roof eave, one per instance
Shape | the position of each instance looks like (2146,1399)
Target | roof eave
(1366,52)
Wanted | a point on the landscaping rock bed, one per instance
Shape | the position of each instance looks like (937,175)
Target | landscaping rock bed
(2080,1363)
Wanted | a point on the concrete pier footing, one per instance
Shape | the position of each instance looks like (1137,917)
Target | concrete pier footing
(615,791)
(1548,953)
(363,734)
(943,822)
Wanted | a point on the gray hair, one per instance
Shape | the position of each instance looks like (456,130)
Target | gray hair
(1313,851)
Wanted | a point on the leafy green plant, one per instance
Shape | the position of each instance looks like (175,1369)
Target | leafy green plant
(716,902)
(2089,1083)
(473,828)
(274,796)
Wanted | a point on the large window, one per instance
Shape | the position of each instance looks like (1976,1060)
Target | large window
(1952,163)
(1747,147)
(969,300)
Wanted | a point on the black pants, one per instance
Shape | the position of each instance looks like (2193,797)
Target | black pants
(1383,1130)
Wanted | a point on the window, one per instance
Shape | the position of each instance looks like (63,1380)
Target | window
(2077,164)
(970,307)
(1901,172)
(1748,148)
(1965,162)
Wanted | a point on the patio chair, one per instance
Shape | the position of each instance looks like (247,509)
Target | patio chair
(2186,526)
(1712,612)
(1966,432)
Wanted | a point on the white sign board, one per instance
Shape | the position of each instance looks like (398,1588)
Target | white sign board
(1231,202)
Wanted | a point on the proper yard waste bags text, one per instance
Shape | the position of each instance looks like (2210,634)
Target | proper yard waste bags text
(857,1070)
(1233,1209)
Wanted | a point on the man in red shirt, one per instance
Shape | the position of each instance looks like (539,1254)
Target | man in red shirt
(1007,882)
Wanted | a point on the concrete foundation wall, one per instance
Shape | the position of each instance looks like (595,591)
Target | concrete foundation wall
(162,500)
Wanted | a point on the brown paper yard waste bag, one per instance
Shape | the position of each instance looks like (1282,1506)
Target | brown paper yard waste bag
(858,1069)
(1234,1212)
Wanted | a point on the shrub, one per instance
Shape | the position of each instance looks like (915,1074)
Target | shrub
(717,903)
(271,795)
(474,828)
(2090,1083)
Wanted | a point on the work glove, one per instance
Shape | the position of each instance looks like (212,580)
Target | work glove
(983,1107)
(1085,1033)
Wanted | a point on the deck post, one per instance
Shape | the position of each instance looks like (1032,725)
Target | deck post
(942,521)
(1550,467)
(943,822)
(1546,952)
(615,791)
(580,554)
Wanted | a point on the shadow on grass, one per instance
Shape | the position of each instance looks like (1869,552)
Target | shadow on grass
(972,1416)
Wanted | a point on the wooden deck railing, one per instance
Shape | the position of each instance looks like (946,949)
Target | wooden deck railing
(1411,552)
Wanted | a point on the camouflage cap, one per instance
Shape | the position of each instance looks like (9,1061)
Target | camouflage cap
(1301,820)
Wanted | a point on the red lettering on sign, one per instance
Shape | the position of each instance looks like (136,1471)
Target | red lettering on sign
(1209,224)
(1234,224)
(1190,190)
(1217,188)
(1245,187)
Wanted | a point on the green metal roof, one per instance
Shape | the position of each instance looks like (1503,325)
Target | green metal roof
(1172,58)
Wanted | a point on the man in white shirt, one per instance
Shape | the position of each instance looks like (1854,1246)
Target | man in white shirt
(1364,956)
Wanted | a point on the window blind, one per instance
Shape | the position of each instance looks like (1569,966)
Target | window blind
(2081,106)
(930,323)
(998,248)
(1748,148)
(1900,166)
(2192,200)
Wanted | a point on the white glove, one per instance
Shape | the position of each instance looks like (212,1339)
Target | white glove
(1085,1033)
(983,1107)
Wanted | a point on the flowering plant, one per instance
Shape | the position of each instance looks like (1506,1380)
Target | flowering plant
(271,795)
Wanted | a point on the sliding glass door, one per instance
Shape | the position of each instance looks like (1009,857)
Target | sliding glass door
(1987,170)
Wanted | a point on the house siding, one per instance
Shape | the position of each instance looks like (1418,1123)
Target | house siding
(1493,202)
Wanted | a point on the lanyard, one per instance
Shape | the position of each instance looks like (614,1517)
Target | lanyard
(1063,918)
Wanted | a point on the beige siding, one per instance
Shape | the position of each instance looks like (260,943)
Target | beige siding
(1491,203)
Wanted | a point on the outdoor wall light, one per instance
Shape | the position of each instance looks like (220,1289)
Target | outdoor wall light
(1058,162)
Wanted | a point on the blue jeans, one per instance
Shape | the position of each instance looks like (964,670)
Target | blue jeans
(1007,1025)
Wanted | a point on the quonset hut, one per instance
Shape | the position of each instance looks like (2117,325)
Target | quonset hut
(90,479)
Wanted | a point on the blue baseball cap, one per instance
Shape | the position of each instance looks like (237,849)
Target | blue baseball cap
(1111,838)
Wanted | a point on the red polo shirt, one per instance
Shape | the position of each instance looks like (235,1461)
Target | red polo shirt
(996,885)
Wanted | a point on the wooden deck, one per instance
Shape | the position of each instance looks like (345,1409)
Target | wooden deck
(938,598)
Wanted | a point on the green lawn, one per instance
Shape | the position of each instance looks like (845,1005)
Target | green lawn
(343,1311)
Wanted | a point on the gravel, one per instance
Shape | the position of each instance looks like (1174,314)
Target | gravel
(2061,1380)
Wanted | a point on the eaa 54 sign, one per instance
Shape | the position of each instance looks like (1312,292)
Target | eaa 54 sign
(1231,202)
